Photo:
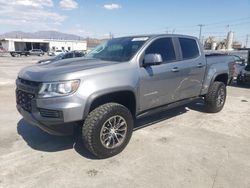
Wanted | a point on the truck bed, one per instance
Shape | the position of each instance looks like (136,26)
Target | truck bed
(221,60)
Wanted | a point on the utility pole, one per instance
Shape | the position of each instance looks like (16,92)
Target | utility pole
(111,35)
(202,40)
(200,25)
(247,40)
(166,30)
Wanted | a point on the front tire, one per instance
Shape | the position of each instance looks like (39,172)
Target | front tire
(107,130)
(216,97)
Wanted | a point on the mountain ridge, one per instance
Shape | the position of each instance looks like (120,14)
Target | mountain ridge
(41,35)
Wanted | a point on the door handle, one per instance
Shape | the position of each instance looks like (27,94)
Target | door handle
(200,65)
(175,69)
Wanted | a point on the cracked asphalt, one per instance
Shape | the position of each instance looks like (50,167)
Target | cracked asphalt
(182,147)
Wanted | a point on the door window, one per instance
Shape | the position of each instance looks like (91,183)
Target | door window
(189,48)
(164,47)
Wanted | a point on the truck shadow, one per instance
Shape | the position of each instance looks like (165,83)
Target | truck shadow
(197,105)
(42,141)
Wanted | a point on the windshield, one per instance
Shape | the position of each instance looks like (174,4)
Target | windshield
(119,49)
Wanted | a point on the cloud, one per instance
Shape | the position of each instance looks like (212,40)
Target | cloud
(32,14)
(112,6)
(34,3)
(68,4)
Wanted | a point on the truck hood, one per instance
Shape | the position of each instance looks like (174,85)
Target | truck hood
(58,70)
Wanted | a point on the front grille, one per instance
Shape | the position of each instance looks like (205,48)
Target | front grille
(24,99)
(50,113)
(29,83)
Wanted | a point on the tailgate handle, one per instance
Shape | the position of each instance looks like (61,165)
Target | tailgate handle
(175,69)
(200,65)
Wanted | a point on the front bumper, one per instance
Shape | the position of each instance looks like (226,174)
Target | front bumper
(49,125)
(39,111)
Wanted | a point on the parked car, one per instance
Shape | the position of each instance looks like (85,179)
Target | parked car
(38,52)
(122,79)
(50,53)
(57,52)
(244,76)
(239,65)
(66,55)
(19,53)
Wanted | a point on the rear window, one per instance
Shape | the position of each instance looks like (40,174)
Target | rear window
(189,48)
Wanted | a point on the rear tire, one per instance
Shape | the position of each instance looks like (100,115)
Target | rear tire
(216,97)
(107,130)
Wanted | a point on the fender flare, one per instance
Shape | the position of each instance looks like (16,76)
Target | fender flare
(98,94)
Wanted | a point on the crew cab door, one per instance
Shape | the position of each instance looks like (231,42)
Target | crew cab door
(193,67)
(159,84)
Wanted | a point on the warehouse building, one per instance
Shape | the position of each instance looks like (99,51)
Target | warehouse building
(20,44)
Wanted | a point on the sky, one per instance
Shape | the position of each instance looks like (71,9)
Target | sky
(97,18)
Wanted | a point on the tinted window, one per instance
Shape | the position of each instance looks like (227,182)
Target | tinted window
(164,47)
(189,48)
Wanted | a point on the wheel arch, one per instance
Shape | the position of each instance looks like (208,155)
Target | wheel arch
(123,96)
(223,77)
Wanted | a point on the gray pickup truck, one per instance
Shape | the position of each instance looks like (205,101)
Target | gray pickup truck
(120,80)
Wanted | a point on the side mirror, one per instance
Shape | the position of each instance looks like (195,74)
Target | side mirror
(152,59)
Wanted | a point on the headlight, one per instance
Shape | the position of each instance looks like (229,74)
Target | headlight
(56,89)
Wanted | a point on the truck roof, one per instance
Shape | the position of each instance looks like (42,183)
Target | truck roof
(158,35)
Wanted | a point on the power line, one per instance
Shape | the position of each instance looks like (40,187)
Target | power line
(215,23)
(211,28)
(228,21)
(243,23)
